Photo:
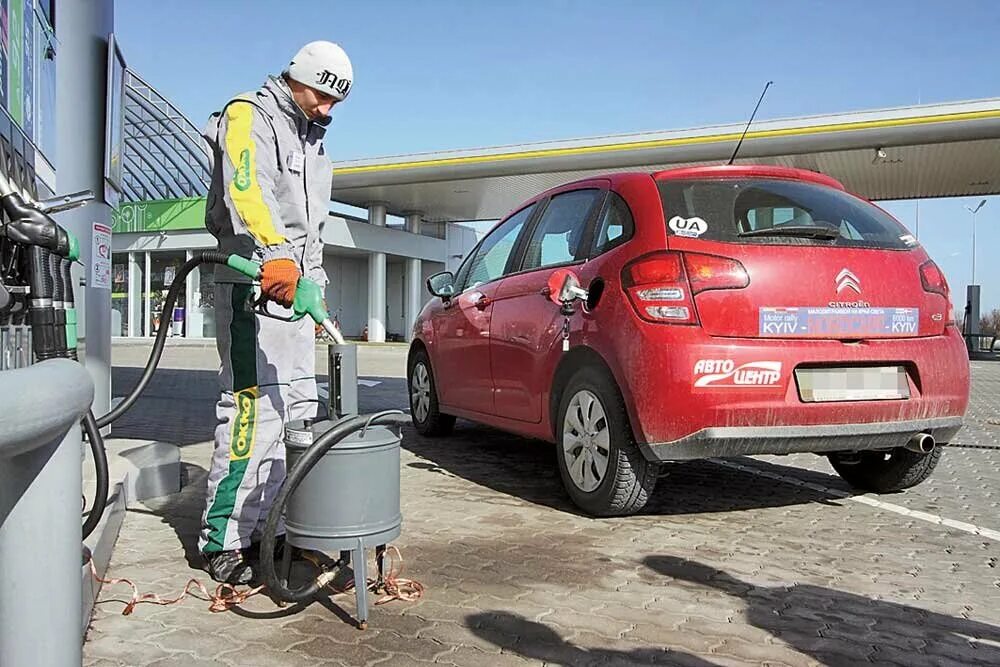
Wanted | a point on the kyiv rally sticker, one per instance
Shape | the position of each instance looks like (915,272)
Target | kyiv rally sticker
(837,322)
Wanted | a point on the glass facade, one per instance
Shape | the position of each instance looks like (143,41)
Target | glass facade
(139,285)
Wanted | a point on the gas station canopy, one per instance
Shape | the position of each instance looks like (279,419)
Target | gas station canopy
(939,150)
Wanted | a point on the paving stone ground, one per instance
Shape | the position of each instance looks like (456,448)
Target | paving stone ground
(724,567)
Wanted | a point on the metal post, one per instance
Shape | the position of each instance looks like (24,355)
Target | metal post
(376,281)
(974,212)
(414,282)
(972,319)
(40,489)
(81,84)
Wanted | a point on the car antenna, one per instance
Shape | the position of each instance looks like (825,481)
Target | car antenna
(747,128)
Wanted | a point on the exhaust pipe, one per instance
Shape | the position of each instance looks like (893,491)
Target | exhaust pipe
(921,443)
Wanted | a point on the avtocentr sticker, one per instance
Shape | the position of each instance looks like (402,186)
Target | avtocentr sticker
(724,373)
(690,228)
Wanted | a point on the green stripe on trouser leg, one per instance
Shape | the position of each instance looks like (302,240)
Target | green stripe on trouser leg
(276,383)
(242,432)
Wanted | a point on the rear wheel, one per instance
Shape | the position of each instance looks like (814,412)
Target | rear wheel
(601,467)
(427,417)
(885,472)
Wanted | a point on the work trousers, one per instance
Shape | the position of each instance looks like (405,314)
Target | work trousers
(266,378)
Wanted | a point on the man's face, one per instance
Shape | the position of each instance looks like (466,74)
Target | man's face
(314,104)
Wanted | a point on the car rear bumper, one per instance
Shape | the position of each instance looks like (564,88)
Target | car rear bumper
(748,440)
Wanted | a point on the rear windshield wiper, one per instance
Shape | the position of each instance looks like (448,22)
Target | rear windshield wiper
(803,231)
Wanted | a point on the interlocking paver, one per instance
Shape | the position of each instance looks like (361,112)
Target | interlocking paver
(202,646)
(727,565)
(123,647)
(759,653)
(466,656)
(351,654)
(455,634)
(261,655)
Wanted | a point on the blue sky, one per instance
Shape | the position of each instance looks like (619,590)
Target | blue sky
(435,75)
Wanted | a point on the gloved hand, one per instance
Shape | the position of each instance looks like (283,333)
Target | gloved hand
(278,279)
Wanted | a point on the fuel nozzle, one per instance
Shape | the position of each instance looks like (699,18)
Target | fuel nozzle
(308,298)
(42,238)
(31,227)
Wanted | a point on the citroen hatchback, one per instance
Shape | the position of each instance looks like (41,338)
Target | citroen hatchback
(722,311)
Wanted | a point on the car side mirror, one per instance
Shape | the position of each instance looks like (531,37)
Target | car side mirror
(442,285)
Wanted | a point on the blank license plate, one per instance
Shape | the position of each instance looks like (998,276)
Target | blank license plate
(881,383)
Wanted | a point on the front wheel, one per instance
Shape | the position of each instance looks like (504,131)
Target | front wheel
(885,472)
(427,418)
(601,467)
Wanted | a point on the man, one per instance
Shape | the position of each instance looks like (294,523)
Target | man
(268,201)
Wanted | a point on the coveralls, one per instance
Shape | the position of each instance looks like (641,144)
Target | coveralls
(269,198)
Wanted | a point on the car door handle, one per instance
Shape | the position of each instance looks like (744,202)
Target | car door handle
(546,291)
(482,302)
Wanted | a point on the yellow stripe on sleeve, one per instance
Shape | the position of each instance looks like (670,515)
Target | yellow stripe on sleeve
(244,189)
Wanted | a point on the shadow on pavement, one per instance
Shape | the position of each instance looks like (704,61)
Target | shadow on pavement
(182,512)
(527,469)
(536,641)
(832,627)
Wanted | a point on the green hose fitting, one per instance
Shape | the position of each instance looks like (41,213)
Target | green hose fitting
(74,248)
(71,328)
(247,267)
(308,294)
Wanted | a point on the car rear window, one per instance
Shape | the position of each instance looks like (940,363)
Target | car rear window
(727,209)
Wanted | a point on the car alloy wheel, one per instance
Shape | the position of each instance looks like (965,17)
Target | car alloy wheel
(420,392)
(586,441)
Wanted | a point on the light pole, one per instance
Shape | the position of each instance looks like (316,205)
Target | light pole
(974,212)
(972,292)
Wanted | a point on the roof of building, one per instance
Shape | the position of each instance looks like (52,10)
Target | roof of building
(164,154)
(936,150)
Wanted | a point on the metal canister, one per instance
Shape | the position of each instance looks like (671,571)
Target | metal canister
(350,499)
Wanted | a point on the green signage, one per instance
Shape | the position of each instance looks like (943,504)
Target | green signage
(159,215)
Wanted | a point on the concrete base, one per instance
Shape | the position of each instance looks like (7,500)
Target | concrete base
(139,470)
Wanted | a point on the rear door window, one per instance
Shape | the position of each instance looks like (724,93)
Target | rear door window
(559,236)
(743,210)
(615,227)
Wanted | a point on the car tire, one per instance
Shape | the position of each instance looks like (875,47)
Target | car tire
(885,472)
(424,411)
(628,478)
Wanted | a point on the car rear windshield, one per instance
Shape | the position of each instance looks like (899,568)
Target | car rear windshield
(799,213)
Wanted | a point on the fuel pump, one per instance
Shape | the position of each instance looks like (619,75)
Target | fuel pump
(342,488)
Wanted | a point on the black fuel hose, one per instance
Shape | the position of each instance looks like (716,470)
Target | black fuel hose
(306,462)
(207,257)
(101,465)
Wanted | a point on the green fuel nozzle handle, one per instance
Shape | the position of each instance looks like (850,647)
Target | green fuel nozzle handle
(308,296)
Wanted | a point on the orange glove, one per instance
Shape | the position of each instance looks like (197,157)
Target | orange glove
(278,279)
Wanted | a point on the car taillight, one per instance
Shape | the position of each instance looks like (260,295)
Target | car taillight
(933,281)
(707,272)
(662,285)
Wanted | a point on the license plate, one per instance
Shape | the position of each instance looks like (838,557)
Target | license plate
(881,383)
(838,322)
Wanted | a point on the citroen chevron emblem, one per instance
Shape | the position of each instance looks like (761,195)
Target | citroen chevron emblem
(847,279)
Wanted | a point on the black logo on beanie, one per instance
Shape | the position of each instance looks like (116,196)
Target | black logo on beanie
(328,78)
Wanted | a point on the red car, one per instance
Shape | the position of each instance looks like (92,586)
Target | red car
(723,311)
